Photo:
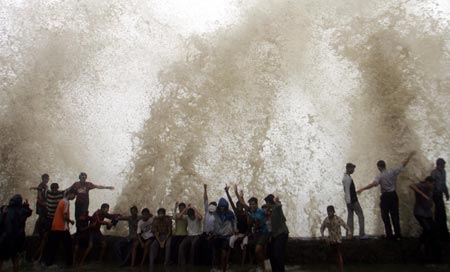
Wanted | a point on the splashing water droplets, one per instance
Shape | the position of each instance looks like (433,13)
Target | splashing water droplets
(159,97)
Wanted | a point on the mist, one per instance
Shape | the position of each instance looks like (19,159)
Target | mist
(159,98)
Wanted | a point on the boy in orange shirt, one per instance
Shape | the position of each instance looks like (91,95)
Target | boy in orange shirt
(60,231)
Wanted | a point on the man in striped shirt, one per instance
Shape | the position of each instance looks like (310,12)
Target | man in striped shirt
(53,197)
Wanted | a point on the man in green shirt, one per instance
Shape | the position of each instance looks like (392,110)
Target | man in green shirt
(180,231)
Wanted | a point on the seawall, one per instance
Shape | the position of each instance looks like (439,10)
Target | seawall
(314,251)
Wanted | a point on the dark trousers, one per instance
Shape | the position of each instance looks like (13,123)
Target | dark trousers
(205,250)
(155,247)
(81,207)
(389,211)
(40,223)
(440,216)
(54,239)
(122,250)
(277,252)
(429,238)
(175,242)
(188,248)
(355,208)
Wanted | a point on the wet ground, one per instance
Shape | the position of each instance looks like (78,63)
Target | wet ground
(235,268)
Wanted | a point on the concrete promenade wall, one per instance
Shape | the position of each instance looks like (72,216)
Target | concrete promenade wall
(314,251)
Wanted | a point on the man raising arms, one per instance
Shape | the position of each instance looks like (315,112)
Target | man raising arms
(387,179)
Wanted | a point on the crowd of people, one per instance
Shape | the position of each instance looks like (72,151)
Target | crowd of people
(220,227)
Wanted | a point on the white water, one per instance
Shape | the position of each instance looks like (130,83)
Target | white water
(159,97)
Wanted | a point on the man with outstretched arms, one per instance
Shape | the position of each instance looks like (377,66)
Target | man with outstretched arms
(83,187)
(387,179)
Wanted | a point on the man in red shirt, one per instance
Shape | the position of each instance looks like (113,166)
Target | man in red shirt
(83,187)
(95,235)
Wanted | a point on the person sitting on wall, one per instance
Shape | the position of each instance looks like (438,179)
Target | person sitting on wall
(224,228)
(124,247)
(240,212)
(207,239)
(194,230)
(162,229)
(180,231)
(259,236)
(145,236)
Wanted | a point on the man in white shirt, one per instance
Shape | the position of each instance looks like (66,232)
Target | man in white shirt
(387,179)
(144,234)
(351,199)
(194,230)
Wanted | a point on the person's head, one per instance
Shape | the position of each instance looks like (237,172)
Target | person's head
(161,212)
(145,214)
(253,203)
(429,179)
(240,206)
(222,207)
(134,210)
(54,187)
(181,207)
(15,201)
(82,177)
(212,207)
(267,210)
(45,178)
(270,200)
(440,164)
(381,165)
(71,194)
(104,208)
(330,211)
(191,213)
(350,168)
